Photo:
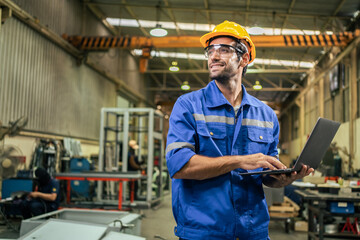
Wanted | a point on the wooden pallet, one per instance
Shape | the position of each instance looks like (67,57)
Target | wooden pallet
(286,209)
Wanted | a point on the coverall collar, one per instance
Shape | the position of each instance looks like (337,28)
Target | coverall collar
(215,98)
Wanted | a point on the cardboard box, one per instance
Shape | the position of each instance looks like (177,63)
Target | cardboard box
(301,226)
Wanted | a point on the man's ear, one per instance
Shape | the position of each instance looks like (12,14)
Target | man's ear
(245,60)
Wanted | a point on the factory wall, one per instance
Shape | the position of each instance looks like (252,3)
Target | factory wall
(59,95)
(357,145)
(341,139)
(319,101)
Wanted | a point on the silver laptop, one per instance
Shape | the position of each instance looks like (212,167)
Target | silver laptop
(314,149)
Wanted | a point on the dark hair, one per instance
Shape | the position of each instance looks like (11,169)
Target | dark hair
(238,45)
(43,176)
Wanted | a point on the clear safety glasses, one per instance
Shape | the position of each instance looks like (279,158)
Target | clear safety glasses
(223,50)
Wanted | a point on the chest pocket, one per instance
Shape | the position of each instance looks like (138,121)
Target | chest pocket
(259,140)
(212,138)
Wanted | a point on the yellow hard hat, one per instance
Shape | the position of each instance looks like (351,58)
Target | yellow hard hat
(230,29)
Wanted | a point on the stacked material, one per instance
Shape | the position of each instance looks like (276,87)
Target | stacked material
(286,209)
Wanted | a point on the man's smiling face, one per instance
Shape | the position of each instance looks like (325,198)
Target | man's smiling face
(221,67)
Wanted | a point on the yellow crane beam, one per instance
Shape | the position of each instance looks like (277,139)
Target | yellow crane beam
(102,43)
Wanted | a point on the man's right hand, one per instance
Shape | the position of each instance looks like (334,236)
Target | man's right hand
(259,160)
(202,167)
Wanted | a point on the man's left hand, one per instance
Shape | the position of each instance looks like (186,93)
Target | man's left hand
(286,179)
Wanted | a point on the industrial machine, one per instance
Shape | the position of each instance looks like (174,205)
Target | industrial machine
(80,188)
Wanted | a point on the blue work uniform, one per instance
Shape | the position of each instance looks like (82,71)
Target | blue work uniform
(37,206)
(229,206)
(52,187)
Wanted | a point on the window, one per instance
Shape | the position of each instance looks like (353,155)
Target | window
(358,97)
(334,79)
(284,129)
(346,99)
(337,108)
(311,109)
(358,62)
(328,109)
(326,87)
(295,122)
(346,114)
(358,81)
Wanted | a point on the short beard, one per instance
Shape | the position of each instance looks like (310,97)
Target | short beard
(222,78)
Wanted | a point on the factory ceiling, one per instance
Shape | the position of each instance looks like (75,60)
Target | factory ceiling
(296,35)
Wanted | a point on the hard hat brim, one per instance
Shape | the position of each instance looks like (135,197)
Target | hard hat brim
(208,36)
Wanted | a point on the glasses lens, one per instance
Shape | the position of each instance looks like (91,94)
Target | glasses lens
(209,51)
(222,49)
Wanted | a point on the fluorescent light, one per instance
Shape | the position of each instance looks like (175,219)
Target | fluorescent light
(150,24)
(257,61)
(204,27)
(251,64)
(285,63)
(256,31)
(123,22)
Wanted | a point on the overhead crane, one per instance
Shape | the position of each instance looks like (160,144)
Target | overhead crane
(102,43)
(107,42)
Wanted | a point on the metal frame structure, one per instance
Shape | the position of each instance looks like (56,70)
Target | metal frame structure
(101,177)
(122,129)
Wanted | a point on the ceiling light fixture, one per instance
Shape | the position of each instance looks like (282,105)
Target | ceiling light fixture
(185,86)
(158,31)
(356,14)
(174,67)
(257,86)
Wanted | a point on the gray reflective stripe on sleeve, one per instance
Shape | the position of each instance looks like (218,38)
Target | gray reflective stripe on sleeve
(176,145)
(258,123)
(214,118)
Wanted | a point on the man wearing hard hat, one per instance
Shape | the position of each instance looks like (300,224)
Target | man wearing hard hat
(216,133)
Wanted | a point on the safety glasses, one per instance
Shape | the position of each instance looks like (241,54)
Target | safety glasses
(223,50)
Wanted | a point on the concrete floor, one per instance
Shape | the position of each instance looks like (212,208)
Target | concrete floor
(158,223)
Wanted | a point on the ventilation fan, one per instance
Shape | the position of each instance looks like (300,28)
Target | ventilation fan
(10,161)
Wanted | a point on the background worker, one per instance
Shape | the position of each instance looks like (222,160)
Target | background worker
(133,160)
(45,199)
(214,134)
(134,165)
